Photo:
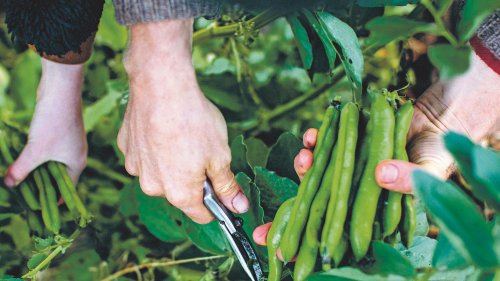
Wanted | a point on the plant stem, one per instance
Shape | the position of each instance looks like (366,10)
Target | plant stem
(256,22)
(103,169)
(51,256)
(439,22)
(158,264)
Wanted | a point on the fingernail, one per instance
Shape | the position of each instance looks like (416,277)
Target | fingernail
(240,203)
(9,181)
(389,173)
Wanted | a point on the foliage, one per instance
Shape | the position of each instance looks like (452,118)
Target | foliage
(271,76)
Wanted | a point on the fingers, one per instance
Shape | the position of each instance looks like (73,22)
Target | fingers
(303,162)
(22,167)
(309,138)
(260,234)
(228,190)
(427,151)
(189,199)
(395,175)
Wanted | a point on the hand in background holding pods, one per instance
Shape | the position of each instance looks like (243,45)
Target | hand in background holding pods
(56,130)
(468,104)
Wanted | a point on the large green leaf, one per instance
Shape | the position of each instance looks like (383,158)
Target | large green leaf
(207,237)
(257,152)
(350,274)
(255,215)
(274,190)
(480,167)
(282,155)
(222,98)
(449,60)
(389,28)
(473,15)
(239,162)
(345,37)
(162,219)
(446,257)
(419,252)
(93,113)
(388,261)
(302,39)
(458,218)
(24,79)
(331,52)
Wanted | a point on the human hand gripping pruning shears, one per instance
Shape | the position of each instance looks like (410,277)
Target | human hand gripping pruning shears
(232,228)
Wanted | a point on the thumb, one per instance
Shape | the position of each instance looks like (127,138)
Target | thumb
(27,161)
(427,152)
(228,190)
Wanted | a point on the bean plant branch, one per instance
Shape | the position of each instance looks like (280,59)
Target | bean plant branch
(254,23)
(439,22)
(59,249)
(168,263)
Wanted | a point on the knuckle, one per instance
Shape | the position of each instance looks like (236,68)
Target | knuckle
(130,167)
(179,199)
(149,187)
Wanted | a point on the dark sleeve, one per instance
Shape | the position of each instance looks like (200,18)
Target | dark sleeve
(489,34)
(129,12)
(53,27)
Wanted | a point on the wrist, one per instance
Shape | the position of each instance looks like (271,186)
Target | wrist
(155,46)
(61,83)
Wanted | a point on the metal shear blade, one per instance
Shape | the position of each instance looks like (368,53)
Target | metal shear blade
(232,228)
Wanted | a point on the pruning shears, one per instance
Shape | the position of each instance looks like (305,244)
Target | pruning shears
(232,228)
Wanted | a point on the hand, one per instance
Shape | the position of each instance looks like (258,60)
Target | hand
(468,104)
(56,131)
(172,137)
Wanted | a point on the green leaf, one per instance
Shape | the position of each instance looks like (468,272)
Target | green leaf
(381,3)
(458,218)
(302,40)
(257,152)
(255,215)
(419,252)
(43,243)
(479,166)
(24,79)
(345,37)
(222,98)
(450,61)
(282,155)
(330,51)
(94,113)
(110,33)
(128,203)
(239,162)
(207,237)
(386,29)
(162,219)
(36,259)
(274,190)
(473,15)
(446,257)
(350,274)
(78,266)
(389,261)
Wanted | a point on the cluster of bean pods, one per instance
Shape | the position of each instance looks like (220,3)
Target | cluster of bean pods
(38,194)
(340,209)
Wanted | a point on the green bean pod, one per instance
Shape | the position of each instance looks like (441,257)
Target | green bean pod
(281,219)
(307,189)
(29,196)
(340,251)
(85,216)
(48,199)
(63,188)
(325,125)
(392,210)
(408,225)
(306,258)
(365,205)
(338,204)
(362,152)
